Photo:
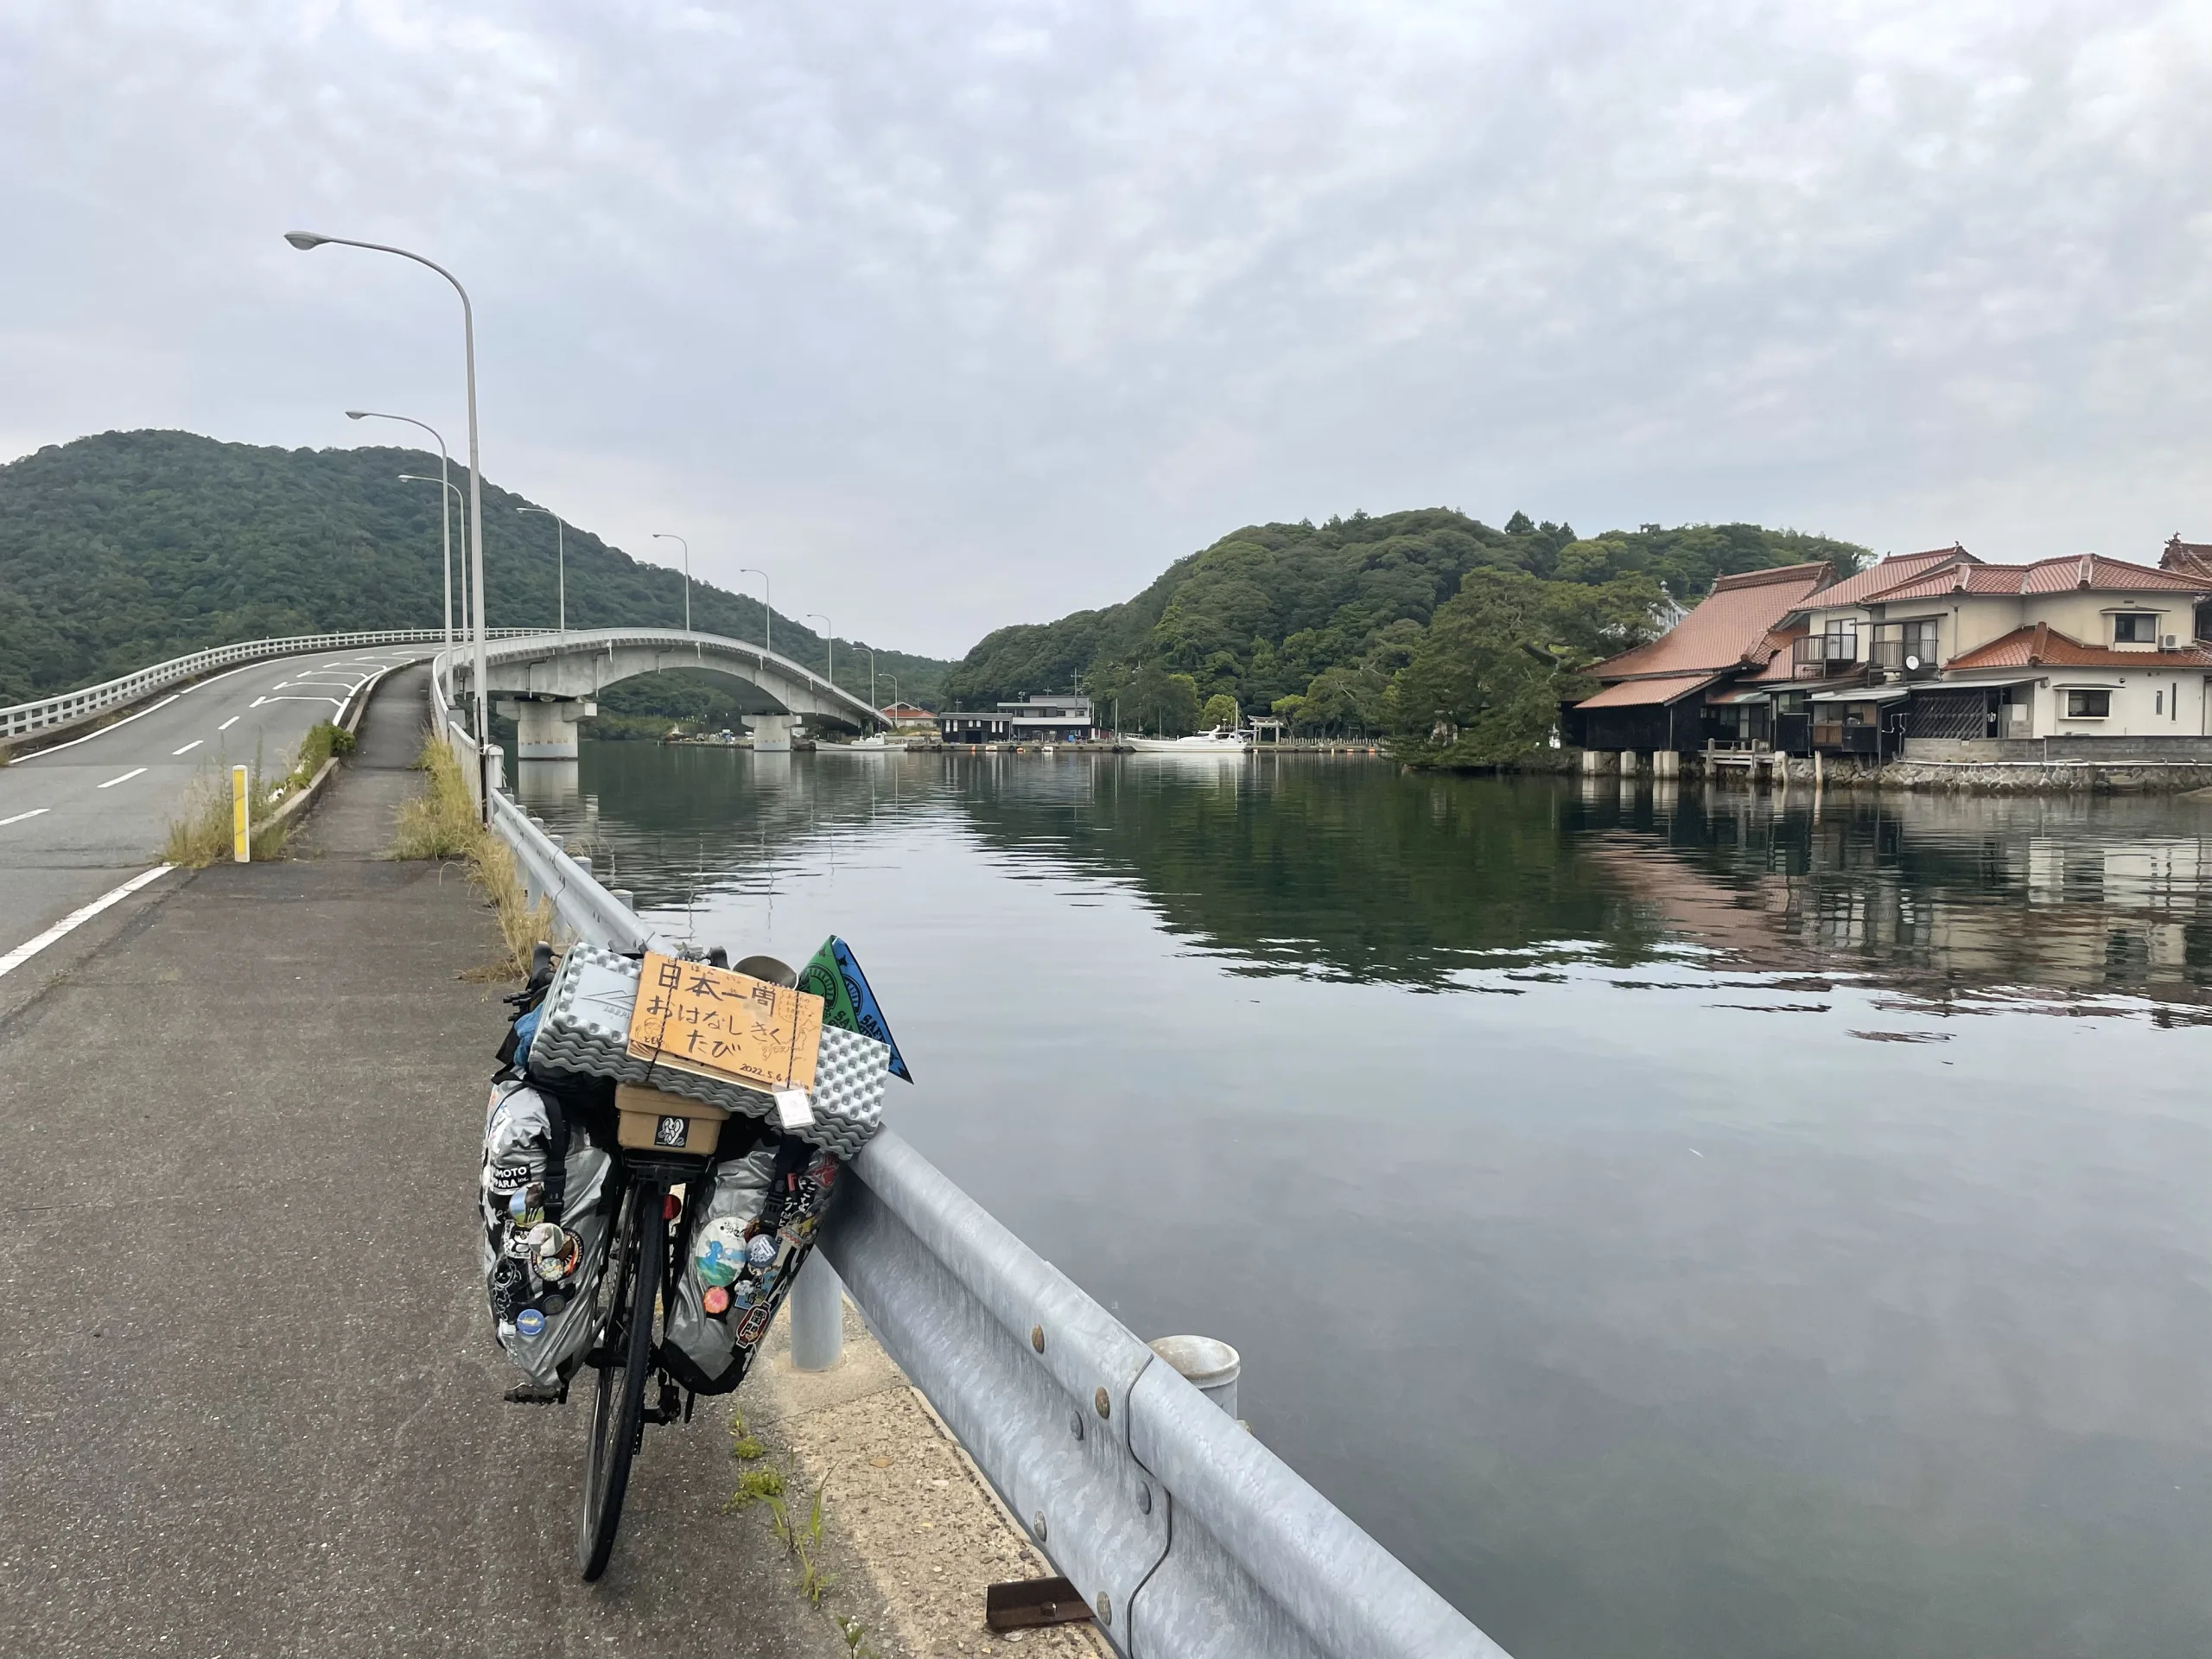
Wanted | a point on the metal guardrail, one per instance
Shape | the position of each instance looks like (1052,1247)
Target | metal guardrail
(584,907)
(69,708)
(1188,1538)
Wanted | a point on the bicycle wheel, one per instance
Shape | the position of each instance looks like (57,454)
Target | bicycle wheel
(629,1287)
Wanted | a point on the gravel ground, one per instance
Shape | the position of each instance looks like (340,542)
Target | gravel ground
(912,1534)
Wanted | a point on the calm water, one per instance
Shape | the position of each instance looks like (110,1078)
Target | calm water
(1674,1225)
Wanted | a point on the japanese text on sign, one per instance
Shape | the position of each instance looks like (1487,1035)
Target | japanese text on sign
(722,1023)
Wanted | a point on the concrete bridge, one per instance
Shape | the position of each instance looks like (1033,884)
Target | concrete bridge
(546,682)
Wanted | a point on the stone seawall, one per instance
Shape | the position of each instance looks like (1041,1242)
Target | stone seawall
(2117,777)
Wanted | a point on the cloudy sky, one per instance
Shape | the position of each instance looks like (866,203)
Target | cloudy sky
(963,312)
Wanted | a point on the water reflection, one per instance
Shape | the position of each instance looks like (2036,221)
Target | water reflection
(1353,871)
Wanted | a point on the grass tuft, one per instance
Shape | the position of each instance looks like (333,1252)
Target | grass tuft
(757,1486)
(441,823)
(201,833)
(743,1444)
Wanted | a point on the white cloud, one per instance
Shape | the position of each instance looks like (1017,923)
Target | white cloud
(978,312)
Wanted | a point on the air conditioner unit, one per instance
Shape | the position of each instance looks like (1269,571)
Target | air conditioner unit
(2167,641)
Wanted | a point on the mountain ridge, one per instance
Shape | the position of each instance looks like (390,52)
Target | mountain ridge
(122,549)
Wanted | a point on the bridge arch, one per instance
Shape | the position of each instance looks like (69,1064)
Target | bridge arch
(552,679)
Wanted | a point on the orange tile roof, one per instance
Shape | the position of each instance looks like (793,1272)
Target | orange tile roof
(1654,688)
(1781,662)
(1889,572)
(2068,572)
(2043,646)
(1727,627)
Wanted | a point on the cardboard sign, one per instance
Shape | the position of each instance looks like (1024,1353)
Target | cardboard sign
(720,1024)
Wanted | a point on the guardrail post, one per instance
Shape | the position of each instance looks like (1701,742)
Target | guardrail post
(1210,1366)
(817,1307)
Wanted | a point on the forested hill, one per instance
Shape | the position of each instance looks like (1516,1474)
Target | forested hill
(1319,622)
(122,549)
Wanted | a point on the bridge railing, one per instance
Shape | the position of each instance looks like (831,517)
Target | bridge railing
(68,708)
(1186,1536)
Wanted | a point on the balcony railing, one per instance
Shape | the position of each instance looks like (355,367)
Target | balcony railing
(1825,653)
(1908,659)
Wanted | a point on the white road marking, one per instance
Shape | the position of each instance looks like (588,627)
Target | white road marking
(20,816)
(103,731)
(22,953)
(231,721)
(188,747)
(125,779)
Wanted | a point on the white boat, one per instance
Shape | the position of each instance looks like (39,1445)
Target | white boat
(1222,740)
(859,746)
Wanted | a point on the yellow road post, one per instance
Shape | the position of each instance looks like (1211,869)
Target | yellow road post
(241,818)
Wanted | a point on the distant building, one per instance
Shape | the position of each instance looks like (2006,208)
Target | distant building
(907,716)
(1935,647)
(1043,719)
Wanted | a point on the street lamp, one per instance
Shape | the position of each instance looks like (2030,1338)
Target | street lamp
(767,610)
(306,240)
(445,512)
(561,555)
(830,633)
(871,677)
(662,536)
(446,506)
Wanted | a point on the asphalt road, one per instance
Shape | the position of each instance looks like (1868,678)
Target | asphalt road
(78,820)
(253,1404)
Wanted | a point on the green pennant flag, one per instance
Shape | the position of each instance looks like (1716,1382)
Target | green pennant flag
(847,1002)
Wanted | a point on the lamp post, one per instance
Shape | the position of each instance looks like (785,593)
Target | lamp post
(445,512)
(767,609)
(871,676)
(662,536)
(561,557)
(830,633)
(306,240)
(449,489)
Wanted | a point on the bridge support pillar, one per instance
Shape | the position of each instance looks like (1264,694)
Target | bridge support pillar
(545,728)
(771,734)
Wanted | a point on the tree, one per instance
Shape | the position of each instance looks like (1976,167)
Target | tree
(1484,686)
(1220,710)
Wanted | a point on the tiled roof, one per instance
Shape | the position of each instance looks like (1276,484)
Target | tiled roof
(2043,646)
(2070,573)
(2190,558)
(1780,661)
(2094,571)
(1728,626)
(1889,572)
(1657,689)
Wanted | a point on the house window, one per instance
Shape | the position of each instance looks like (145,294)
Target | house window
(2088,705)
(2135,628)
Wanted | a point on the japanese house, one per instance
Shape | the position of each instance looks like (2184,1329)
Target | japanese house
(1937,648)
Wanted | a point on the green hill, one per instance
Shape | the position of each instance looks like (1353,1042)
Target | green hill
(1323,623)
(122,549)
